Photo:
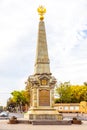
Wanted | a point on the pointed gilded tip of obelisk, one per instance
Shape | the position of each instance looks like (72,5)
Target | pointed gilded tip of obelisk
(41,11)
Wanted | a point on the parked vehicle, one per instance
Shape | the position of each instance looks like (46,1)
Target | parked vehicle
(4,114)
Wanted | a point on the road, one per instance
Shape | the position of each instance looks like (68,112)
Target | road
(65,115)
(78,115)
(18,115)
(5,126)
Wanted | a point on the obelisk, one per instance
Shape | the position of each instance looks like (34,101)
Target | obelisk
(42,82)
(42,59)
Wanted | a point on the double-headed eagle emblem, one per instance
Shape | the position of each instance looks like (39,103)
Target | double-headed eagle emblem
(41,11)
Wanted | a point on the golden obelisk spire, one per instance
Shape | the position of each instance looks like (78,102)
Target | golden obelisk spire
(41,11)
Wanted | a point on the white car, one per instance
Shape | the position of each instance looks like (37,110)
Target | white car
(4,114)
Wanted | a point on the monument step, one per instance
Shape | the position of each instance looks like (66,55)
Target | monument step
(46,122)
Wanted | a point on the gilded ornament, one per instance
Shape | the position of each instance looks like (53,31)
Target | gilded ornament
(41,11)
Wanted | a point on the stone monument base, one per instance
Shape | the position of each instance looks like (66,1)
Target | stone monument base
(43,114)
(55,122)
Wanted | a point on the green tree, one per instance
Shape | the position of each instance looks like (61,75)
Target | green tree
(18,100)
(85,83)
(79,93)
(11,104)
(71,93)
(20,97)
(64,92)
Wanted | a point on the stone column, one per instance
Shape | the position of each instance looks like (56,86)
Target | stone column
(34,97)
(52,97)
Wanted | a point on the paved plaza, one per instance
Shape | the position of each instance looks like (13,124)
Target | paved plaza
(5,126)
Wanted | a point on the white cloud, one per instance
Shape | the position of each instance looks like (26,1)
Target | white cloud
(65,22)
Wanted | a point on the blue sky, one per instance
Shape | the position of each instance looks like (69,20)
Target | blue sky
(66,29)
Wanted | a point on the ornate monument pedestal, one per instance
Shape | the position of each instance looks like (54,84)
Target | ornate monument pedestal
(42,98)
(42,83)
(42,114)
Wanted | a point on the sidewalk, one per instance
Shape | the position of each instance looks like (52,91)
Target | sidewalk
(5,126)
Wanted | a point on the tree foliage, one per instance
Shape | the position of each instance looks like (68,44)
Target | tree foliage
(68,93)
(11,104)
(85,83)
(18,99)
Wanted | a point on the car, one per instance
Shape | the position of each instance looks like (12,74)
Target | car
(4,114)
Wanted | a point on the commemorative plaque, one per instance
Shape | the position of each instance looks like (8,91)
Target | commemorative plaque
(44,97)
